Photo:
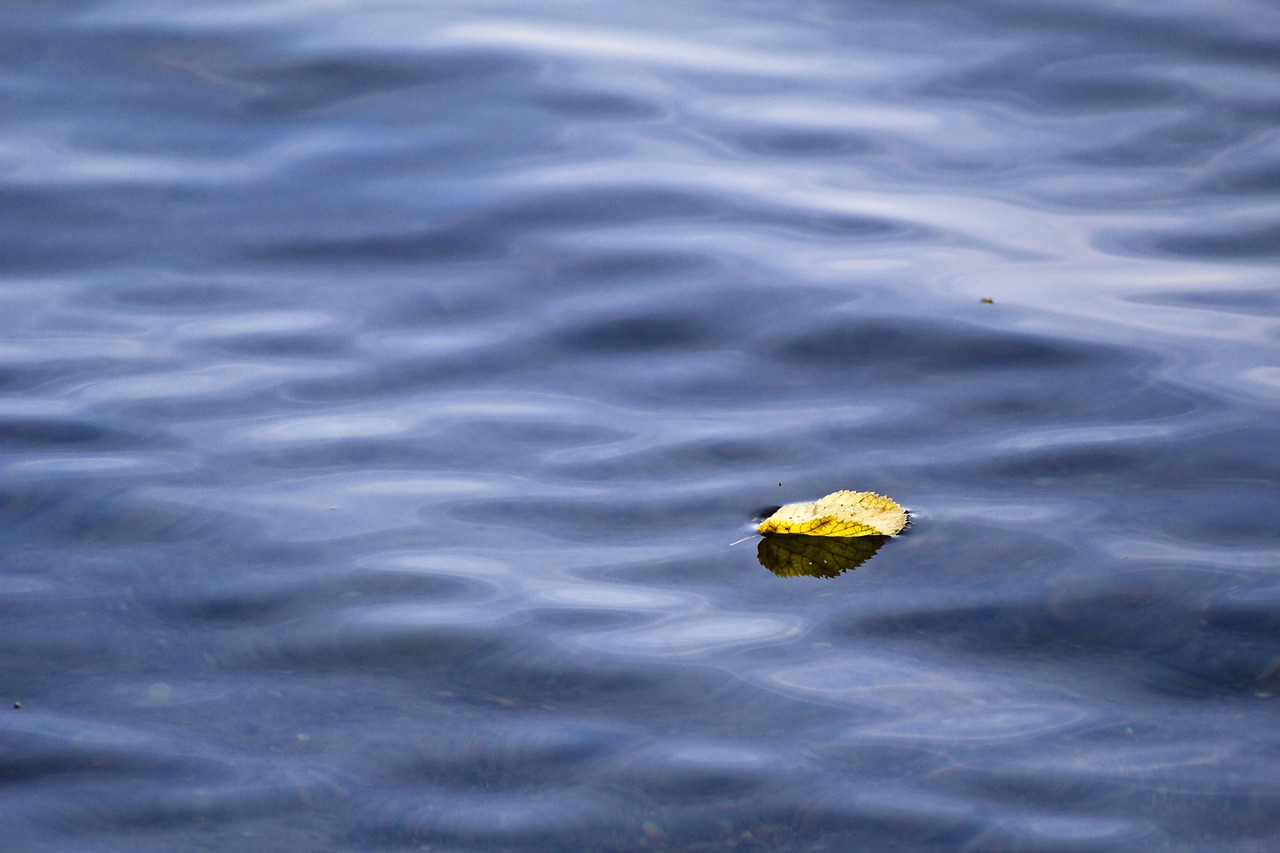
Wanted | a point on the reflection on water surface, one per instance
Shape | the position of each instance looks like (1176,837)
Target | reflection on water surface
(789,556)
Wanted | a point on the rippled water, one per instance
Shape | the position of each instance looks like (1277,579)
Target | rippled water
(382,384)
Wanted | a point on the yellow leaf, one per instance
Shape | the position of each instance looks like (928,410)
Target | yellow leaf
(838,514)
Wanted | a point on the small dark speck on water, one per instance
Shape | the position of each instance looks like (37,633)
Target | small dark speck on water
(987,300)
(17,705)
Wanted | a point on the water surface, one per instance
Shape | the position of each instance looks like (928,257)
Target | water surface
(382,384)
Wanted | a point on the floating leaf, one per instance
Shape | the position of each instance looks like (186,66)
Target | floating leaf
(791,556)
(840,514)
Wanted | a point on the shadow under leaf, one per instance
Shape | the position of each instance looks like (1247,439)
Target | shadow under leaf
(789,556)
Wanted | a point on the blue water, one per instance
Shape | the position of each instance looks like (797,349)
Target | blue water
(382,384)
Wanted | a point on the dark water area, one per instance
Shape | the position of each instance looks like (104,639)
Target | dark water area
(382,384)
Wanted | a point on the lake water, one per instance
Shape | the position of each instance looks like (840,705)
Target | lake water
(382,384)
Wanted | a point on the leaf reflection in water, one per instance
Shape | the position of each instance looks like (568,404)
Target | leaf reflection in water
(789,556)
